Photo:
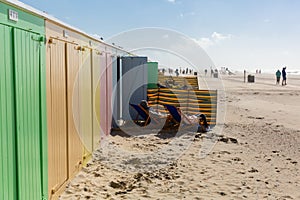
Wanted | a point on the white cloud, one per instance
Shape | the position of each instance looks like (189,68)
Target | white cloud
(219,37)
(214,39)
(171,1)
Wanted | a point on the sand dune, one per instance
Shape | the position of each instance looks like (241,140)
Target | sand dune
(254,154)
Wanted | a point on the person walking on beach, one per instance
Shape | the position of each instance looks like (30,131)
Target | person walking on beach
(284,76)
(278,75)
(176,72)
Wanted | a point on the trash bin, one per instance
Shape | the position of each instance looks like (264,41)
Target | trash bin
(215,75)
(251,79)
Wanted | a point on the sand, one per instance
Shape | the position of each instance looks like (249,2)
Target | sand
(254,153)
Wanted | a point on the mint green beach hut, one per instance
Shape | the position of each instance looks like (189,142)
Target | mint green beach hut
(23,131)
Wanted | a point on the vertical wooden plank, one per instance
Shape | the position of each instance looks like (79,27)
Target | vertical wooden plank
(7,119)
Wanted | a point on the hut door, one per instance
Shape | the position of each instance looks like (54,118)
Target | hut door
(103,94)
(75,148)
(105,82)
(85,102)
(109,88)
(27,61)
(96,98)
(57,115)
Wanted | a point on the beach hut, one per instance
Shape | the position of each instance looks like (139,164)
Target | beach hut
(23,138)
(134,84)
(152,74)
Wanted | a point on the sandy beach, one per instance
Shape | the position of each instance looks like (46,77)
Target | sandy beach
(254,155)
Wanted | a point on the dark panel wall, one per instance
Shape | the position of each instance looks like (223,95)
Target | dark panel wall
(134,82)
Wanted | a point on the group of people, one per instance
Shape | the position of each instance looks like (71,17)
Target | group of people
(212,72)
(278,76)
(177,71)
(183,71)
(202,125)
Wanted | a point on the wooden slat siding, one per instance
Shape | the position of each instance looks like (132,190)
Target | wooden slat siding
(190,101)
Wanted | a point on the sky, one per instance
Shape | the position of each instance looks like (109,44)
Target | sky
(239,34)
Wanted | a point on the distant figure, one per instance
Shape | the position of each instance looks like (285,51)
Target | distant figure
(211,72)
(278,75)
(205,71)
(216,73)
(284,76)
(203,126)
(176,72)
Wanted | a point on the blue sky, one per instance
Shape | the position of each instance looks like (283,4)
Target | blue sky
(241,34)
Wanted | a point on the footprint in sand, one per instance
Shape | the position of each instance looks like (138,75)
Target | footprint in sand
(253,170)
